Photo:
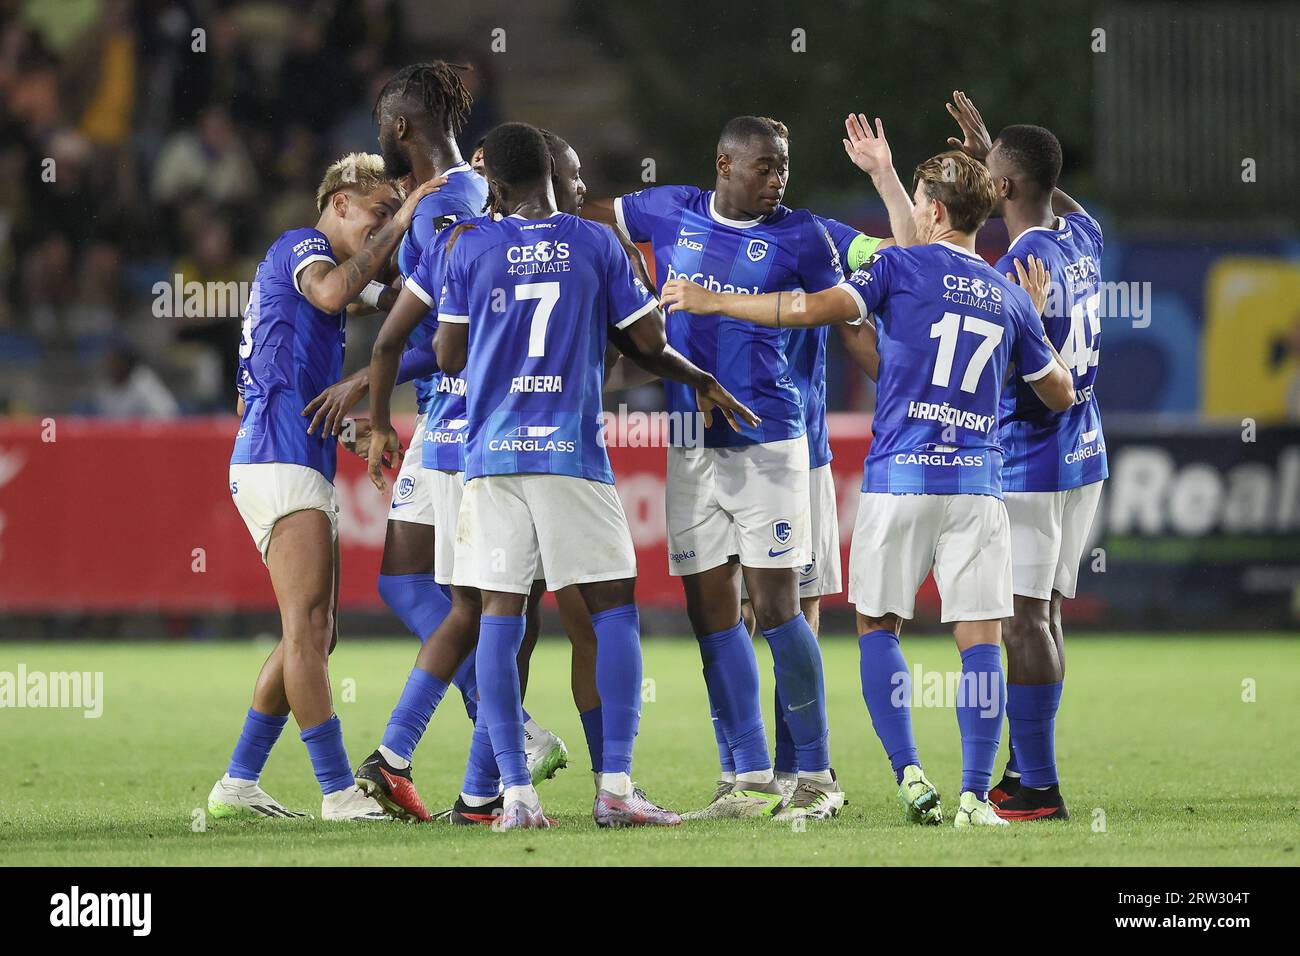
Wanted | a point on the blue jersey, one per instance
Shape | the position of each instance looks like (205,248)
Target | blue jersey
(539,297)
(289,352)
(446,423)
(805,350)
(463,197)
(784,251)
(1045,450)
(949,326)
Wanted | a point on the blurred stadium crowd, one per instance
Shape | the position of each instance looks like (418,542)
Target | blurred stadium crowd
(125,162)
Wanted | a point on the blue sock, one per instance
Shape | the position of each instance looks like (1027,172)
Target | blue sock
(1013,766)
(419,600)
(798,663)
(1031,712)
(259,735)
(618,681)
(481,776)
(592,728)
(499,639)
(887,689)
(328,758)
(466,681)
(725,760)
(787,758)
(731,675)
(981,703)
(420,698)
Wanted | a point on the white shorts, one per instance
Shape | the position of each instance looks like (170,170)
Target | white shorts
(750,500)
(897,539)
(266,492)
(413,491)
(823,575)
(511,524)
(1049,530)
(447,488)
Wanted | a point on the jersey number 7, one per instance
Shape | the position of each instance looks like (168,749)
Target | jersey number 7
(546,294)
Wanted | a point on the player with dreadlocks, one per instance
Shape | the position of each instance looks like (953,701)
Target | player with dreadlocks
(420,111)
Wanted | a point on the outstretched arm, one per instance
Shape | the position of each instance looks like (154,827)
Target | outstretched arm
(650,347)
(777,310)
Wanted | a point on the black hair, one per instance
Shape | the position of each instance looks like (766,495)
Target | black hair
(739,130)
(1034,152)
(516,153)
(438,88)
(556,144)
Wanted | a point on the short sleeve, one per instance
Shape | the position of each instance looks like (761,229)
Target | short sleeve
(869,284)
(1089,227)
(453,301)
(854,247)
(819,259)
(309,246)
(638,213)
(1033,355)
(627,297)
(425,282)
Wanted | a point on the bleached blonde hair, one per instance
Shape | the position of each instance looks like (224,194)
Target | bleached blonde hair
(361,172)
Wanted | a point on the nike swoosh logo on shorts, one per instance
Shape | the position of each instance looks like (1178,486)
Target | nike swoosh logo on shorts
(777,554)
(792,708)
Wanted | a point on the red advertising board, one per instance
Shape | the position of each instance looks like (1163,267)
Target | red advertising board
(108,517)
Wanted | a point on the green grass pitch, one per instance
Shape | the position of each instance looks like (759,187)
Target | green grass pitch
(1163,763)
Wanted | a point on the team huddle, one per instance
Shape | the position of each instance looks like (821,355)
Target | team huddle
(518,303)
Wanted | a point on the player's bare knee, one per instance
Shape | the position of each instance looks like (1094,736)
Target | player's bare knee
(606,595)
(888,622)
(774,594)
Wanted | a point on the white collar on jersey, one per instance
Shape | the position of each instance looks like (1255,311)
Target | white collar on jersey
(1057,226)
(958,249)
(462,167)
(734,223)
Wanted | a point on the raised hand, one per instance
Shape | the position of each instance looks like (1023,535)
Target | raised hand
(977,142)
(868,151)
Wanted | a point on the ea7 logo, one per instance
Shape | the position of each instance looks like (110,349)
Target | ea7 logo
(133,910)
(757,250)
(781,531)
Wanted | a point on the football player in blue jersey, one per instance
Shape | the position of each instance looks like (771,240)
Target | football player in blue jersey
(740,503)
(281,478)
(525,311)
(419,111)
(949,328)
(1054,463)
(386,773)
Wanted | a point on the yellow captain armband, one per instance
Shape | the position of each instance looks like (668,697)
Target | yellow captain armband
(862,248)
